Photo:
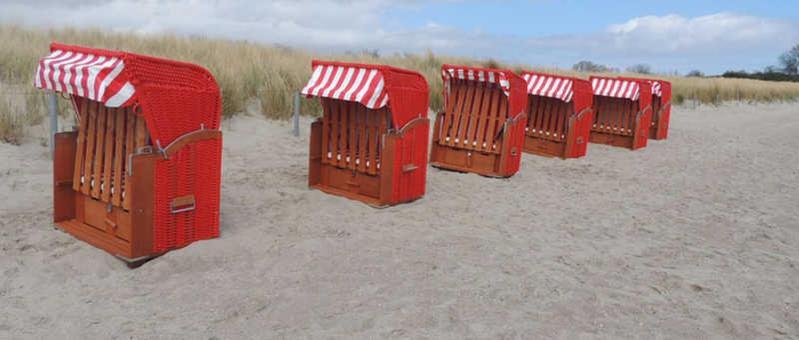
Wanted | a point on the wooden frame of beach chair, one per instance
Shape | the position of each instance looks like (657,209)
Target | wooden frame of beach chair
(481,129)
(622,112)
(371,142)
(141,175)
(661,107)
(560,115)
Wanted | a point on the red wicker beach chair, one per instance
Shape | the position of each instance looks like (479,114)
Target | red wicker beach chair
(482,127)
(622,112)
(141,175)
(371,142)
(661,107)
(560,115)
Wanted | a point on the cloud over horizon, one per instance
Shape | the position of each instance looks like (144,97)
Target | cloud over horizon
(670,42)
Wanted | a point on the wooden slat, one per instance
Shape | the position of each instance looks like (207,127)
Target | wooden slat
(97,166)
(108,158)
(617,121)
(334,132)
(325,129)
(502,114)
(631,113)
(531,100)
(568,110)
(373,142)
(485,108)
(343,149)
(548,117)
(91,133)
(119,156)
(467,112)
(141,132)
(130,127)
(450,117)
(597,110)
(363,133)
(455,115)
(469,138)
(80,144)
(352,149)
(383,113)
(496,98)
(446,119)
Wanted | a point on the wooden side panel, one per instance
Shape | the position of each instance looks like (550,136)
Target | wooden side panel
(485,114)
(130,126)
(99,152)
(142,203)
(63,171)
(315,154)
(91,132)
(119,157)
(108,154)
(363,138)
(325,126)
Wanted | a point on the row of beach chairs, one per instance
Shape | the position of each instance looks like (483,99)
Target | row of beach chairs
(141,174)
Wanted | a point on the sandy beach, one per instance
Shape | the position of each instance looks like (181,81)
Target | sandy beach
(693,237)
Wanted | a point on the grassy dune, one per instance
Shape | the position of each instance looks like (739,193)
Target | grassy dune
(269,74)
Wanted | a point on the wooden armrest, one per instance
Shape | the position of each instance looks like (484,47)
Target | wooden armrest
(191,137)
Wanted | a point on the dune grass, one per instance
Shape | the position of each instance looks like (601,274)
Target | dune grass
(268,75)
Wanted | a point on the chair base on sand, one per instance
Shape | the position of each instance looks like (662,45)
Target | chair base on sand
(481,163)
(544,147)
(613,140)
(125,233)
(395,175)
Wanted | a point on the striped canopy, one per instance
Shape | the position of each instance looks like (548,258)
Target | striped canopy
(449,72)
(364,84)
(617,88)
(657,88)
(547,85)
(97,77)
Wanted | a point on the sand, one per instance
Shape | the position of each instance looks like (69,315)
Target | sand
(694,237)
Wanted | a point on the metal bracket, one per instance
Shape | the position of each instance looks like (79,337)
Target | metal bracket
(139,151)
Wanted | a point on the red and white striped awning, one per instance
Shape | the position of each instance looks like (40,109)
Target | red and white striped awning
(96,77)
(656,88)
(486,76)
(348,82)
(549,86)
(617,88)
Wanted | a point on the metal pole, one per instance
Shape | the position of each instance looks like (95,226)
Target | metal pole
(53,108)
(296,114)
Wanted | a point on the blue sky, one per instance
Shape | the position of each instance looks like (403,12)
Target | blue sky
(711,36)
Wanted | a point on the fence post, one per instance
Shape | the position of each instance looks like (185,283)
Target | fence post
(296,114)
(52,106)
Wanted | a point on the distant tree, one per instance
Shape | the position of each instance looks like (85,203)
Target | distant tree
(587,66)
(790,61)
(695,73)
(640,68)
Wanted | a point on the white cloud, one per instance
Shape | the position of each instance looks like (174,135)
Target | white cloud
(667,42)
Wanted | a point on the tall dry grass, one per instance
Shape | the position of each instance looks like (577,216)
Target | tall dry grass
(268,75)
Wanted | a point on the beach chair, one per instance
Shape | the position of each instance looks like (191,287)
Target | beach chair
(482,127)
(661,107)
(559,116)
(622,112)
(371,142)
(141,175)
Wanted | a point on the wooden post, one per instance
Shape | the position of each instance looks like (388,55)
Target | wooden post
(296,114)
(53,108)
